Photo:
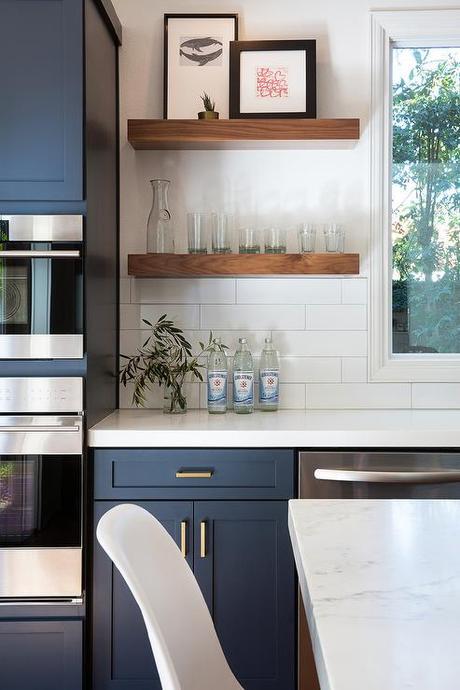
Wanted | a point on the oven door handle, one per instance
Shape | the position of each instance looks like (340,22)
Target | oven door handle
(39,429)
(40,254)
(388,477)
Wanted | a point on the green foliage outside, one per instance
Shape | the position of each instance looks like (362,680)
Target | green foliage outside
(426,199)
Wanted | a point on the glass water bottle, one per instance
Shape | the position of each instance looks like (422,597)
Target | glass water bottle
(243,379)
(160,231)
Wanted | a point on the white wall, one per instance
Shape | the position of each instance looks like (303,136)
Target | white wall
(285,186)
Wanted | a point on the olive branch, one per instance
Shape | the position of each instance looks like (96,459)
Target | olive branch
(165,359)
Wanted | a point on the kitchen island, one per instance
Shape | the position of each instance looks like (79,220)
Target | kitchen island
(380,582)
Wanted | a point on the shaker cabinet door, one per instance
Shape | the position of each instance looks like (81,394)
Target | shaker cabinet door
(41,113)
(245,567)
(41,654)
(122,657)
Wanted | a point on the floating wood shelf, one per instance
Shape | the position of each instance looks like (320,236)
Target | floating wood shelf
(238,134)
(186,265)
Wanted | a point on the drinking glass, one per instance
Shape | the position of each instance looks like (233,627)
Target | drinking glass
(307,237)
(222,225)
(275,241)
(249,241)
(197,228)
(334,237)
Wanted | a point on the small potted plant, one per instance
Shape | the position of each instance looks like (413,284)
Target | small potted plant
(209,112)
(165,359)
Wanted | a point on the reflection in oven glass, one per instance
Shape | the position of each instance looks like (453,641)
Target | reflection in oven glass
(13,295)
(40,500)
(18,500)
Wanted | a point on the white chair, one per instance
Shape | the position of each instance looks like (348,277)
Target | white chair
(184,643)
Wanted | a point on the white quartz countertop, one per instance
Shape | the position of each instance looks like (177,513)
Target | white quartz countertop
(283,429)
(381,586)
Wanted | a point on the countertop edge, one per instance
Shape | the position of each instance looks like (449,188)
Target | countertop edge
(200,438)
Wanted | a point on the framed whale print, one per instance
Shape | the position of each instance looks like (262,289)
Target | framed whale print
(197,61)
(273,79)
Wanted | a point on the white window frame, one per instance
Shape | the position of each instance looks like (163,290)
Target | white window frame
(404,28)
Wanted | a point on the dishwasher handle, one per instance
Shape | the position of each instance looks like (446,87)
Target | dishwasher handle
(388,476)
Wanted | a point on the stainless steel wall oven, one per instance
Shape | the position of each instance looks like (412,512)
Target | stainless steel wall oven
(41,483)
(41,287)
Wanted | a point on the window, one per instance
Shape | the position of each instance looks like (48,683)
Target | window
(415,280)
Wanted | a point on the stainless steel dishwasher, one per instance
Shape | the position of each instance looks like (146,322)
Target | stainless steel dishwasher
(379,474)
(370,474)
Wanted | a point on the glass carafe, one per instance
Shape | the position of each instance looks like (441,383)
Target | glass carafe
(160,231)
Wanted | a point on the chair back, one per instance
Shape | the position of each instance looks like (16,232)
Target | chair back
(184,643)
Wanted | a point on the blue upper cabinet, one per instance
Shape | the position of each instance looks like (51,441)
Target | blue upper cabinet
(41,112)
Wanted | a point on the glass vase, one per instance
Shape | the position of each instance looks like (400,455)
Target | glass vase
(172,402)
(160,231)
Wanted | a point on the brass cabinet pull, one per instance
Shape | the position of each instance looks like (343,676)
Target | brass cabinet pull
(191,474)
(183,538)
(203,539)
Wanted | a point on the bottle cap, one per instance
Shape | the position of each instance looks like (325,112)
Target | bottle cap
(268,340)
(242,340)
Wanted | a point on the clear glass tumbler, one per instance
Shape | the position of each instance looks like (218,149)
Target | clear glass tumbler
(249,242)
(334,237)
(198,232)
(275,241)
(307,237)
(222,226)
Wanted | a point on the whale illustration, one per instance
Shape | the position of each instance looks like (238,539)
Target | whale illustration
(202,59)
(194,49)
(199,43)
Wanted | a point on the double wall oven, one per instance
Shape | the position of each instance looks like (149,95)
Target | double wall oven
(41,487)
(41,287)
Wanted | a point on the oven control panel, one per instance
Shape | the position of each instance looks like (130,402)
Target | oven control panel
(41,395)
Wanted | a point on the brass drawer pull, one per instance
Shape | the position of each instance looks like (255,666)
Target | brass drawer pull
(183,538)
(203,539)
(190,474)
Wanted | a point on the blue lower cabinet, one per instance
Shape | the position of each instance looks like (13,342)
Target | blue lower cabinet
(41,655)
(122,657)
(241,555)
(244,564)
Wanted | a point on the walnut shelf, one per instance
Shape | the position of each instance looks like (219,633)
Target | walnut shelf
(187,265)
(244,133)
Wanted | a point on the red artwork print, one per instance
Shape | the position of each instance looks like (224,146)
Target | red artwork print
(272,82)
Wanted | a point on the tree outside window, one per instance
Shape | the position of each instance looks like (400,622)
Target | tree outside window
(426,200)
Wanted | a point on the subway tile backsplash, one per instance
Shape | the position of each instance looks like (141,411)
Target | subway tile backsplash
(319,325)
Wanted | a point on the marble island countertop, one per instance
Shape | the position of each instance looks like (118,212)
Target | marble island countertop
(381,585)
(283,429)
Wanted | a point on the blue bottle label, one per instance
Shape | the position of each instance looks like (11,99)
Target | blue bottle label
(269,386)
(243,388)
(217,388)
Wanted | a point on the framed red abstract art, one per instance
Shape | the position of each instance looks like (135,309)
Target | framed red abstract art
(272,79)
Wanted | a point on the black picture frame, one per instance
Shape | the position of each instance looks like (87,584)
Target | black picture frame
(238,47)
(200,15)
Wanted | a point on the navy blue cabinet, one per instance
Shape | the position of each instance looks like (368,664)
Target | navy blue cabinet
(239,550)
(41,655)
(41,113)
(243,563)
(122,655)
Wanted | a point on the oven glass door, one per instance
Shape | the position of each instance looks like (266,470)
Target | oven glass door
(379,475)
(40,501)
(41,299)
